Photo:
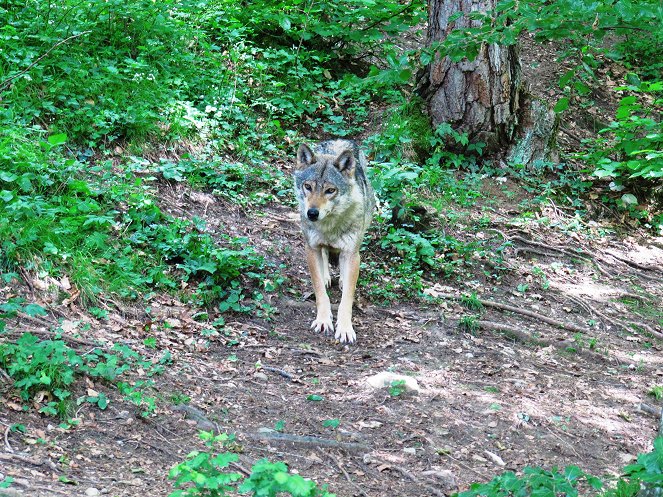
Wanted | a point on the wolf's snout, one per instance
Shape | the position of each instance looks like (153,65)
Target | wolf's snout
(313,214)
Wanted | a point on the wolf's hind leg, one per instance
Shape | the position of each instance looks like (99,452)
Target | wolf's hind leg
(326,277)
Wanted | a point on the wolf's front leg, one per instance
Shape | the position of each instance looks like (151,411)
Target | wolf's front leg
(349,262)
(323,321)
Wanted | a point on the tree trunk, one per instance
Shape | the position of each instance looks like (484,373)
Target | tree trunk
(485,98)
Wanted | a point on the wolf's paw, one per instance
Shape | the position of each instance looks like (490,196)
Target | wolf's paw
(323,324)
(345,332)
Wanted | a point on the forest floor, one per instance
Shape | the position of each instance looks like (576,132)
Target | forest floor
(516,392)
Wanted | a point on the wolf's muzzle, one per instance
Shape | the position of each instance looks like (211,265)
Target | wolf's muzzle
(313,214)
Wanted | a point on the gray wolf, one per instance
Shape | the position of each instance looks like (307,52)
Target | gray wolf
(336,203)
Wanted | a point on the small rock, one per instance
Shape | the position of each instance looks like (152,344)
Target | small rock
(410,450)
(260,376)
(264,429)
(386,379)
(447,478)
(92,491)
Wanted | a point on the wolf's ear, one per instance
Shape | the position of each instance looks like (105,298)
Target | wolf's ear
(345,163)
(305,156)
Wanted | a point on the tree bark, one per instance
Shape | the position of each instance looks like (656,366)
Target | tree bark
(485,98)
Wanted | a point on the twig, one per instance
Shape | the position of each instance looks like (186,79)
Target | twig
(307,440)
(654,411)
(278,371)
(345,473)
(410,476)
(569,253)
(5,83)
(626,326)
(51,336)
(28,460)
(8,446)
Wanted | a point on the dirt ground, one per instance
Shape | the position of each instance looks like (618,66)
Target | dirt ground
(517,392)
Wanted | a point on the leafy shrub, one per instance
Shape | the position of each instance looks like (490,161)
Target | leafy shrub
(52,366)
(572,481)
(104,230)
(205,473)
(631,146)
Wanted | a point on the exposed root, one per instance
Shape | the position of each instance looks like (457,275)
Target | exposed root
(524,312)
(307,440)
(525,337)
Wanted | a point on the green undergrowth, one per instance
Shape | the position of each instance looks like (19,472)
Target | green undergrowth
(98,223)
(423,187)
(572,481)
(206,473)
(246,183)
(49,369)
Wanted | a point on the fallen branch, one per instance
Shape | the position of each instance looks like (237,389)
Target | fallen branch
(307,440)
(51,335)
(278,371)
(654,411)
(8,447)
(196,415)
(28,460)
(626,326)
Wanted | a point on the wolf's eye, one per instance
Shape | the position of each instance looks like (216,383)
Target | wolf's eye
(307,187)
(330,191)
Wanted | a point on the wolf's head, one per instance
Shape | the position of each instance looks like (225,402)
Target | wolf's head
(323,181)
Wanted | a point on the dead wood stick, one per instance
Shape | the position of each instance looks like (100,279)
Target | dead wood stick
(654,411)
(51,336)
(623,325)
(8,447)
(307,440)
(28,460)
(345,473)
(6,82)
(524,312)
(278,371)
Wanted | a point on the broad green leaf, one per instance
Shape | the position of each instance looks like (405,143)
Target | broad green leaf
(562,105)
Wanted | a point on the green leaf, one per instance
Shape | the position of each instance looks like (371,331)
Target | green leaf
(34,310)
(562,105)
(331,423)
(314,398)
(57,139)
(564,80)
(285,23)
(7,176)
(629,199)
(6,195)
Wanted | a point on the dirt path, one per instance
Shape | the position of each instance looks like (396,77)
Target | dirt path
(489,401)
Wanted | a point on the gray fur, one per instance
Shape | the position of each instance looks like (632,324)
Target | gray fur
(351,210)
